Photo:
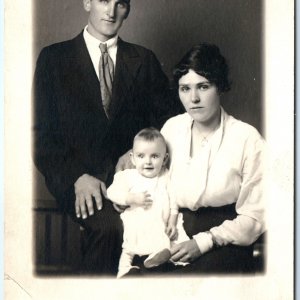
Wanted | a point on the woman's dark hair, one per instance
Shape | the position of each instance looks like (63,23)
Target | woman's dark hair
(206,60)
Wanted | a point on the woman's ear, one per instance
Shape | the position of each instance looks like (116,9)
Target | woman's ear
(87,5)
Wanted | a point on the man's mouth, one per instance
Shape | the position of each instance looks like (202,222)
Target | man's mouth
(109,21)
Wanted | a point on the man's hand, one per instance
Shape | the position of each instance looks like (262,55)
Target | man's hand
(87,187)
(185,252)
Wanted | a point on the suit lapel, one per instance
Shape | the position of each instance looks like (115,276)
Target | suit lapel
(127,65)
(84,69)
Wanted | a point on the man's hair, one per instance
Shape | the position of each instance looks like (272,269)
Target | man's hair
(207,61)
(127,2)
(149,134)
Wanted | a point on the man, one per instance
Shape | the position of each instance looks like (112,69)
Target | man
(89,105)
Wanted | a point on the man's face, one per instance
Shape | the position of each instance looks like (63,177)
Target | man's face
(106,17)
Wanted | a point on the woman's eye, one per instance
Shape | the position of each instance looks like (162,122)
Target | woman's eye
(204,87)
(184,88)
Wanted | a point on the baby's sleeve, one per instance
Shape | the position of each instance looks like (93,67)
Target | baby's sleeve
(174,208)
(118,190)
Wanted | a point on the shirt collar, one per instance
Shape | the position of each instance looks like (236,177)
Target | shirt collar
(91,40)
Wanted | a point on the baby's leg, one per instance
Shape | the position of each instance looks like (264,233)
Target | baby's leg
(161,252)
(157,258)
(125,263)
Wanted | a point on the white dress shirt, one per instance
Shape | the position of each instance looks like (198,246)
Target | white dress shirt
(93,48)
(228,169)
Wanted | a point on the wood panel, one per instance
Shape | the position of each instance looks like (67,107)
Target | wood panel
(57,242)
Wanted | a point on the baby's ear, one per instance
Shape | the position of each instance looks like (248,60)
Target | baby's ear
(166,160)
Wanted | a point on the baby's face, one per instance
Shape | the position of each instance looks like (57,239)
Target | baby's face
(149,156)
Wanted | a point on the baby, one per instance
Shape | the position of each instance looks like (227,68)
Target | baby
(150,222)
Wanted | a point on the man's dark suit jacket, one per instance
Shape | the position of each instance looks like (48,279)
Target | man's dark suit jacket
(71,131)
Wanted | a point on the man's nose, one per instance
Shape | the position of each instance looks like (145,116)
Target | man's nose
(195,97)
(111,9)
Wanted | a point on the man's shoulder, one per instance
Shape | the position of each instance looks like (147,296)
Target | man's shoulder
(134,48)
(64,46)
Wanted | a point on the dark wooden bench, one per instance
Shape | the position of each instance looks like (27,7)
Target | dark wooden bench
(58,242)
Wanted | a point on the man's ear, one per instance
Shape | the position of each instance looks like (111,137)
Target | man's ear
(87,5)
(131,158)
(127,12)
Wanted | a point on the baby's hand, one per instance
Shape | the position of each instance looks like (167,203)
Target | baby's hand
(141,199)
(171,231)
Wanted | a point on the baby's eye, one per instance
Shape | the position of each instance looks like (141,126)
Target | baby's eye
(155,156)
(140,155)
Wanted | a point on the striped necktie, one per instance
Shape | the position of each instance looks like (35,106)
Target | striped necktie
(106,74)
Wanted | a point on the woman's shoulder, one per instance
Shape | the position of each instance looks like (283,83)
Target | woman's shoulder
(240,128)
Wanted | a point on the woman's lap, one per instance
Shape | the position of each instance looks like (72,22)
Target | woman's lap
(226,259)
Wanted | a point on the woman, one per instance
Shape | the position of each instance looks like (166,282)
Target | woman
(216,169)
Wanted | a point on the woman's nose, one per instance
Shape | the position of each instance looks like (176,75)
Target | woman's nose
(195,96)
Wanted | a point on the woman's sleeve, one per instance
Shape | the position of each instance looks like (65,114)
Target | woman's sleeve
(117,191)
(249,224)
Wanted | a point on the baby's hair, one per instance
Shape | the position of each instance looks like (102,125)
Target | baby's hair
(149,134)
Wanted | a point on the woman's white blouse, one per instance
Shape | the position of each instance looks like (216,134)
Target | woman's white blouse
(228,169)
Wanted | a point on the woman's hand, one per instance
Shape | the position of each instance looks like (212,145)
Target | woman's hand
(185,252)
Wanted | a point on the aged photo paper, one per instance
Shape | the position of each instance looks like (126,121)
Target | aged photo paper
(277,282)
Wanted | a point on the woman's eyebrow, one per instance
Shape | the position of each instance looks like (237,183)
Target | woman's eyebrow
(197,83)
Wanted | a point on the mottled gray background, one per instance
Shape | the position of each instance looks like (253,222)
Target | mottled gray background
(170,28)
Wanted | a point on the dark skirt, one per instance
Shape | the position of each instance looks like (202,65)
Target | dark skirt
(223,260)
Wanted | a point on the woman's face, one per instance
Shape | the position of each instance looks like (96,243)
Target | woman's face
(200,98)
